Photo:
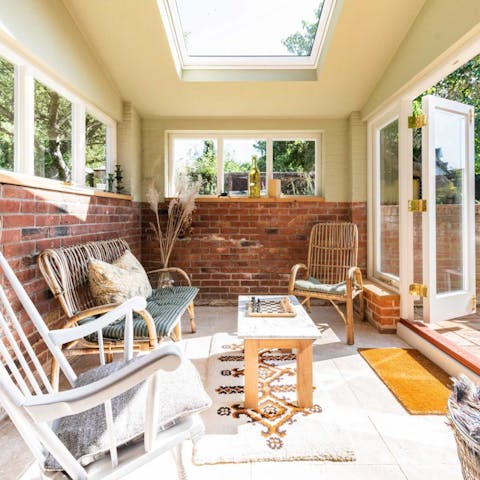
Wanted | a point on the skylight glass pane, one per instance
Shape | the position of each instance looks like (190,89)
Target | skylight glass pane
(266,28)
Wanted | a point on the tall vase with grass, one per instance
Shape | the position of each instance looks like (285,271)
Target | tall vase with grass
(179,216)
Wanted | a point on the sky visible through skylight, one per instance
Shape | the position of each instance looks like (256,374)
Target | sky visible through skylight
(243,27)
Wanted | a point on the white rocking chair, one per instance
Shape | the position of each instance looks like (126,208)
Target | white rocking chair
(33,406)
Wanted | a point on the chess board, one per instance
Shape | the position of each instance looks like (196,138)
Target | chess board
(260,307)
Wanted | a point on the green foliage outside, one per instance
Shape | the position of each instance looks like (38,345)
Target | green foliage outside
(7,87)
(53,134)
(301,43)
(462,85)
(95,147)
(204,165)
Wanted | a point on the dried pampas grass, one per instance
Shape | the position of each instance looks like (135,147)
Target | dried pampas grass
(179,214)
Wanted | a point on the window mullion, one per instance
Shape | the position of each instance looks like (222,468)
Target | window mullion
(24,121)
(78,144)
(269,158)
(220,164)
(111,149)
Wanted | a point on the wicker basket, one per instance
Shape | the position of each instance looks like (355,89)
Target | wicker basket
(467,448)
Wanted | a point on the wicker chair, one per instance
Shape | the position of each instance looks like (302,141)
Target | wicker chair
(66,273)
(331,272)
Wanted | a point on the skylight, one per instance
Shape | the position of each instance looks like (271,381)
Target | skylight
(246,34)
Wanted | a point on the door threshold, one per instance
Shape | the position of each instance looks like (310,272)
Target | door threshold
(437,340)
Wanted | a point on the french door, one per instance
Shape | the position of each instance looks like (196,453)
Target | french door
(448,224)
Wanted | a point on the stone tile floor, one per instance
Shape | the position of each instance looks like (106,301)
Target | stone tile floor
(389,443)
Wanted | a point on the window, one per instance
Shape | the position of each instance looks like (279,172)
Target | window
(46,131)
(196,158)
(223,159)
(95,152)
(53,134)
(255,35)
(237,160)
(386,204)
(294,165)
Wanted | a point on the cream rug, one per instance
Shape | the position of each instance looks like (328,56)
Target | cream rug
(278,430)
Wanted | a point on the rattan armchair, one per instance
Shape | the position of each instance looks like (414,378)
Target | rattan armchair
(331,272)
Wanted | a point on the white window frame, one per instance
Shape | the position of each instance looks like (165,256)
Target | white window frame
(221,135)
(374,254)
(26,72)
(175,35)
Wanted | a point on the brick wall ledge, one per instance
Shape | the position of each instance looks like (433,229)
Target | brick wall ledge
(205,199)
(28,181)
(438,340)
(382,306)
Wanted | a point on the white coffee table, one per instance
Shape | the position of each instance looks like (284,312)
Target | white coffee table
(297,332)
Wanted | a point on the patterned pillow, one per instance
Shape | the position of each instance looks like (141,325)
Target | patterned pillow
(111,284)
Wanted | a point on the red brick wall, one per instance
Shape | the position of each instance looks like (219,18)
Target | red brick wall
(35,219)
(242,248)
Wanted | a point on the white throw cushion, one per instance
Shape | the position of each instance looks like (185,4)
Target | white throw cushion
(114,284)
(129,262)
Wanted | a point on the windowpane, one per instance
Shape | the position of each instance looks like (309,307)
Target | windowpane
(7,89)
(237,161)
(388,190)
(53,134)
(95,152)
(249,28)
(196,158)
(294,165)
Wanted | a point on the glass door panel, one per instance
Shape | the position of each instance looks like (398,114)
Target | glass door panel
(448,223)
(449,195)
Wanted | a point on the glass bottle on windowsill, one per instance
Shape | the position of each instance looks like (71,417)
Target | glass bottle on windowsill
(254,179)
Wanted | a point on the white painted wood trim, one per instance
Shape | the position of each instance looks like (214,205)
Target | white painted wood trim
(406,253)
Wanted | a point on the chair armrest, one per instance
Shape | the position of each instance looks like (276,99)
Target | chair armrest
(45,408)
(114,312)
(180,272)
(293,275)
(354,279)
(90,312)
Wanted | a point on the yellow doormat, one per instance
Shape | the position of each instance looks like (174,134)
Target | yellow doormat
(420,386)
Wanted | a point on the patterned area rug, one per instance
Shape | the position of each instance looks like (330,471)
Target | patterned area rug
(278,430)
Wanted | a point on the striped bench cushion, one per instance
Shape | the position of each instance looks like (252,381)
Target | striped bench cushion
(165,305)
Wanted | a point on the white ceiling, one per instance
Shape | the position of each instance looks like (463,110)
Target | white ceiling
(129,39)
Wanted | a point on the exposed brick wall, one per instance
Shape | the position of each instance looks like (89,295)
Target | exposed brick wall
(382,307)
(243,248)
(35,219)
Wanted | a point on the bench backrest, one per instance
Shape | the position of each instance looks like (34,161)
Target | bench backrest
(65,270)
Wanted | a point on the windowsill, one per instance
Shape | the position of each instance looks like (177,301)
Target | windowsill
(215,199)
(386,285)
(23,180)
(380,289)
